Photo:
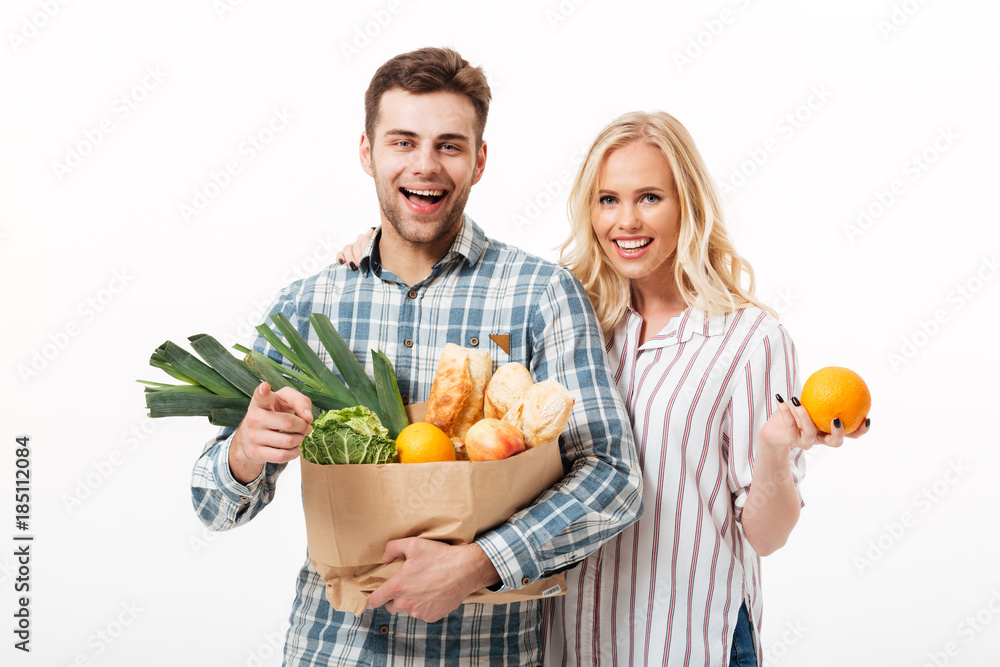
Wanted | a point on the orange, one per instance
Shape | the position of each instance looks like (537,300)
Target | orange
(836,392)
(421,442)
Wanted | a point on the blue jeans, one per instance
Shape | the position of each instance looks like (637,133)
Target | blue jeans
(743,654)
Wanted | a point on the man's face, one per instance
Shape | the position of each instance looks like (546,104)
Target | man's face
(424,160)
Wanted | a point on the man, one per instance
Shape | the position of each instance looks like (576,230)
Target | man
(431,277)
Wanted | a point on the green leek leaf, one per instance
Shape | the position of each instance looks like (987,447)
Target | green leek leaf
(393,413)
(350,368)
(197,370)
(229,367)
(314,366)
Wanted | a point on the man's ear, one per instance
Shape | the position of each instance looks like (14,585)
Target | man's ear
(365,154)
(480,164)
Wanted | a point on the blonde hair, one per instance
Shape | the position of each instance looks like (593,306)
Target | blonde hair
(708,272)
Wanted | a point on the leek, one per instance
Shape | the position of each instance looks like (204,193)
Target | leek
(219,386)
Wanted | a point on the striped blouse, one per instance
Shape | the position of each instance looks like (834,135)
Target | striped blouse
(667,590)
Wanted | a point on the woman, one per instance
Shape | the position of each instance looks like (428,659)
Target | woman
(702,367)
(697,360)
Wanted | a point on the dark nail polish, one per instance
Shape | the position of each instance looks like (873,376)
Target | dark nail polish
(868,422)
(795,402)
(836,422)
(354,267)
(780,399)
(340,260)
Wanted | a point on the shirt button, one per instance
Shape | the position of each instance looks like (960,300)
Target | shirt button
(408,343)
(412,294)
(525,581)
(384,629)
(406,399)
(473,341)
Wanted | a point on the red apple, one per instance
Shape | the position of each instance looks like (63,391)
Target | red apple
(492,440)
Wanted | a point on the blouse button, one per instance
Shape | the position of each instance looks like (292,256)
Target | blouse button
(525,581)
(473,341)
(408,343)
(412,294)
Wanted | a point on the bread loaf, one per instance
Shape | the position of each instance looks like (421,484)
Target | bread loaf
(458,390)
(505,389)
(542,412)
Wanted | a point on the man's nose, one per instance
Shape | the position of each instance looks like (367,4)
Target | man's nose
(425,161)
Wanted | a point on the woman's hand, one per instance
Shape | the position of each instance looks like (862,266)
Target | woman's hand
(351,254)
(791,426)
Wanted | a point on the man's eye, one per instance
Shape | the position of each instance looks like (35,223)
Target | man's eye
(449,147)
(402,143)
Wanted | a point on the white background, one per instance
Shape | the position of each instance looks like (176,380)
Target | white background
(810,112)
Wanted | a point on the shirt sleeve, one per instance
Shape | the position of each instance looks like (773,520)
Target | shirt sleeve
(601,493)
(771,369)
(220,501)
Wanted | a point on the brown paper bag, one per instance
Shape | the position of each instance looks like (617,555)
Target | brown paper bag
(353,510)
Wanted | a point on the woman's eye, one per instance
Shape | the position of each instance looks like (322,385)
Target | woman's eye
(606,200)
(650,198)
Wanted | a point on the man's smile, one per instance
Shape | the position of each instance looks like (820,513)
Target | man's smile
(423,201)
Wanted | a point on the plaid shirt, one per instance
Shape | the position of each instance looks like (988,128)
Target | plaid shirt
(480,288)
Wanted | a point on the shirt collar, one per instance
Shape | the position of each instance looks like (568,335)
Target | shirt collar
(682,327)
(468,245)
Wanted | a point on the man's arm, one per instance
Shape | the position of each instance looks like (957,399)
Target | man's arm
(598,498)
(601,493)
(235,476)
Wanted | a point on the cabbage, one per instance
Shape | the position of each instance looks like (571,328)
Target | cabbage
(350,435)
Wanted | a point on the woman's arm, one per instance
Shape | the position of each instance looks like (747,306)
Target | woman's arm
(772,505)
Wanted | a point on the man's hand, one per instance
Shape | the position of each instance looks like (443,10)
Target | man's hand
(435,578)
(275,425)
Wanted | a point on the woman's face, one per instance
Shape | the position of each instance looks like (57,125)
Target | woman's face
(637,216)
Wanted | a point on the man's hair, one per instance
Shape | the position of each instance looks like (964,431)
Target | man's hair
(429,70)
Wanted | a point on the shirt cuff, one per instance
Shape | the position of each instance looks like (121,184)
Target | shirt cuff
(512,556)
(238,494)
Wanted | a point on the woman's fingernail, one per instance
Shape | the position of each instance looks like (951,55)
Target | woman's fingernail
(795,402)
(340,260)
(868,422)
(836,422)
(780,399)
(354,267)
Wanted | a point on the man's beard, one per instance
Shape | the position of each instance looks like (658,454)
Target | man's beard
(444,222)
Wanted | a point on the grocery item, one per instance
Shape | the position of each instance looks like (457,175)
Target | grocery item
(422,442)
(505,389)
(458,390)
(491,440)
(542,412)
(833,392)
